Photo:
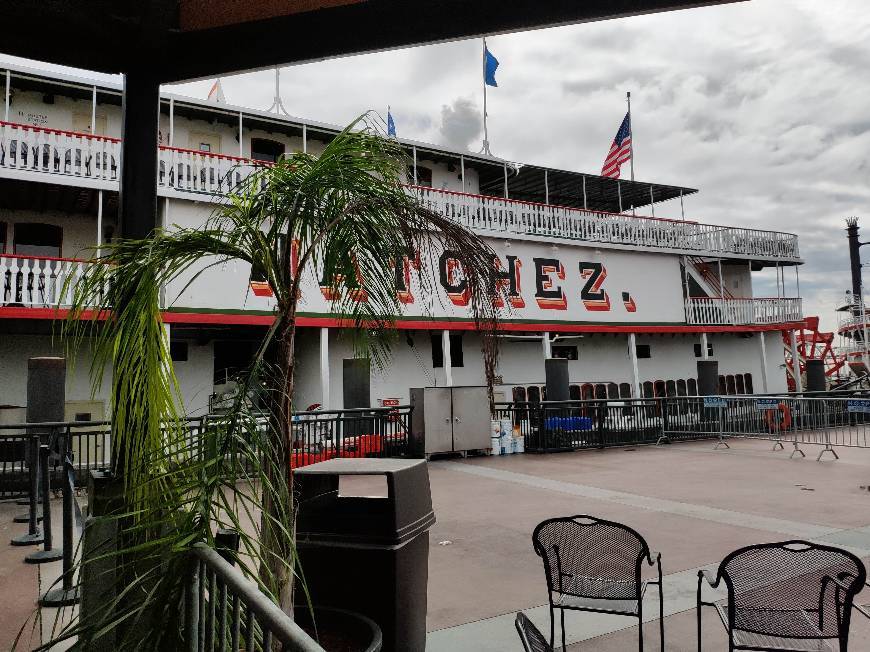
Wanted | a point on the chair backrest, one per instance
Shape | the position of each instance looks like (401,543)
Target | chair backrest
(772,587)
(531,637)
(587,547)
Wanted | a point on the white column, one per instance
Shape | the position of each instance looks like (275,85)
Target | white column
(682,208)
(8,92)
(324,368)
(505,181)
(632,354)
(652,201)
(545,345)
(241,142)
(619,194)
(462,165)
(94,111)
(704,347)
(171,127)
(546,188)
(721,282)
(585,204)
(304,139)
(796,363)
(448,362)
(764,388)
(99,221)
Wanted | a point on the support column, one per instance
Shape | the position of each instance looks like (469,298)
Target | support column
(99,221)
(796,363)
(546,188)
(462,167)
(324,368)
(138,191)
(446,357)
(705,347)
(619,194)
(506,195)
(546,346)
(8,95)
(242,142)
(305,142)
(632,354)
(764,387)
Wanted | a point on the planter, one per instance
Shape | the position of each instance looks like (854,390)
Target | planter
(339,630)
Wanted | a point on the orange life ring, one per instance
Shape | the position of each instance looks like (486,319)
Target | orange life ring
(775,422)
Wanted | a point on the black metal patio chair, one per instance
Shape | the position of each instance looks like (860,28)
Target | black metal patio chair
(793,595)
(530,636)
(595,565)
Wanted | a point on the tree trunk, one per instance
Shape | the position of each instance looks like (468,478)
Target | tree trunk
(279,550)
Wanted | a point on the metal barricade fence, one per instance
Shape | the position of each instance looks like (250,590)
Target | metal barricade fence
(817,420)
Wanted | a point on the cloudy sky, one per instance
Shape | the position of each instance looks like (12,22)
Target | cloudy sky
(764,106)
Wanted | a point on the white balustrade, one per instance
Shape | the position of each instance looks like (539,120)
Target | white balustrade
(52,151)
(38,282)
(741,312)
(493,214)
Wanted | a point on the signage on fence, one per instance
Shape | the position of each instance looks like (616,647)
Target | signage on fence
(714,402)
(858,405)
(390,402)
(766,404)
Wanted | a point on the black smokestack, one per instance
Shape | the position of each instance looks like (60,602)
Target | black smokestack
(854,260)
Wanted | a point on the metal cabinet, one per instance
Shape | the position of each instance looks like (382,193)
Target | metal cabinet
(449,419)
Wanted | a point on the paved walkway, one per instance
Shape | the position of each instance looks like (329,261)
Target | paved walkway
(691,503)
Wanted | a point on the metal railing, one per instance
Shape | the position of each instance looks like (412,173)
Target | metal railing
(552,426)
(827,421)
(317,436)
(494,214)
(94,157)
(733,312)
(226,611)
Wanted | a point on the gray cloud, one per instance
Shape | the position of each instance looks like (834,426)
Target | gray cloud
(763,106)
(460,123)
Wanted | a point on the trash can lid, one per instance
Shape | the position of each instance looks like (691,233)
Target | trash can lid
(325,517)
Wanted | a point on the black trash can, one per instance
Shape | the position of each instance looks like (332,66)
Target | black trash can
(368,554)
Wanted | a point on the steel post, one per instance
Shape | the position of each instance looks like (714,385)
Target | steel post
(47,553)
(33,536)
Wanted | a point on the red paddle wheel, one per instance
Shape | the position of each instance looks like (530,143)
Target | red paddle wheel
(811,345)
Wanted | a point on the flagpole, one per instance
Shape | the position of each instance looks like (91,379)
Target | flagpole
(630,134)
(483,77)
(630,143)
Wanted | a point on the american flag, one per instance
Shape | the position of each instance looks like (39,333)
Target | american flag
(620,150)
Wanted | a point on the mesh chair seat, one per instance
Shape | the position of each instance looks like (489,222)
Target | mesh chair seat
(803,622)
(791,595)
(595,565)
(599,594)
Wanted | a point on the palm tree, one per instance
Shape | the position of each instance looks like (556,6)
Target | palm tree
(344,212)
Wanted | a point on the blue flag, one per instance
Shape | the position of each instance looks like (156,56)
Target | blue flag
(391,125)
(490,64)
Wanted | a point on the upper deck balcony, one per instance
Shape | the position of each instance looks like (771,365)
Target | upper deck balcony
(79,159)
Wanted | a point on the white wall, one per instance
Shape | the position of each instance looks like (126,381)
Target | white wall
(79,231)
(195,377)
(15,350)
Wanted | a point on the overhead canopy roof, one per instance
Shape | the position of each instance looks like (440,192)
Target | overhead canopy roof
(186,39)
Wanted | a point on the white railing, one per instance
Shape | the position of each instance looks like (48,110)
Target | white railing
(738,312)
(34,282)
(484,213)
(191,170)
(53,151)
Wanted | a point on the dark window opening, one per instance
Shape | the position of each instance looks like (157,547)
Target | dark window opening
(600,390)
(738,383)
(730,385)
(2,237)
(424,176)
(722,387)
(37,239)
(457,357)
(747,381)
(671,388)
(643,351)
(692,387)
(83,416)
(519,394)
(624,390)
(534,394)
(565,352)
(230,358)
(648,391)
(263,149)
(574,392)
(178,351)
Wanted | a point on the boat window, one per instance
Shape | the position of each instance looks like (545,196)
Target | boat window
(738,384)
(178,351)
(643,351)
(681,387)
(574,392)
(692,387)
(722,388)
(424,176)
(519,394)
(534,394)
(747,382)
(671,388)
(659,388)
(265,149)
(35,239)
(730,385)
(648,391)
(565,352)
(456,353)
(624,390)
(612,390)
